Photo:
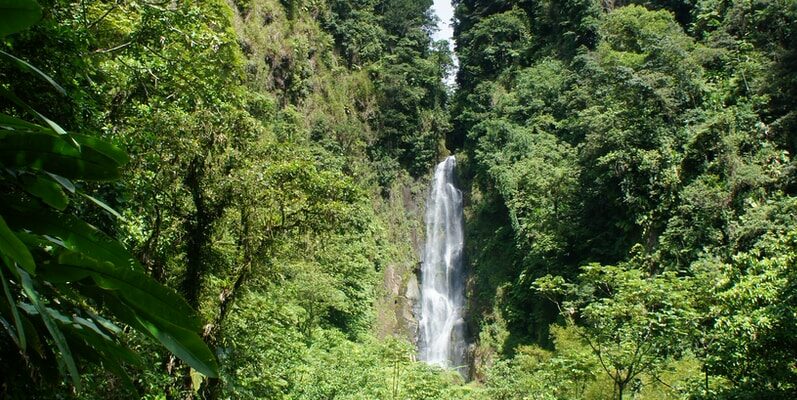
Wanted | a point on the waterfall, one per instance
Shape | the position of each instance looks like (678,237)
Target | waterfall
(442,328)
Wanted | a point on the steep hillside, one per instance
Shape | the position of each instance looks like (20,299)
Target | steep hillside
(632,195)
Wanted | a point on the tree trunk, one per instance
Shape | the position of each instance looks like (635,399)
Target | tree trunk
(198,232)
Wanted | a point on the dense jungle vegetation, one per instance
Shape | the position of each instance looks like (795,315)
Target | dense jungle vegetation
(223,199)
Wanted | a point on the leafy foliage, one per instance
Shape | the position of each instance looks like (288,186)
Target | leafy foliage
(61,270)
(633,157)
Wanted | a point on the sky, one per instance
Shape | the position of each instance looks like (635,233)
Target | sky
(445,12)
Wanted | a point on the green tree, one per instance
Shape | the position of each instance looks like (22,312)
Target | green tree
(633,322)
(747,309)
(492,45)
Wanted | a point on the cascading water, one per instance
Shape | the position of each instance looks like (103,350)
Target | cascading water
(442,328)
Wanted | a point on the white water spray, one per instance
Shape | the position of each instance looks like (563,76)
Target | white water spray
(442,328)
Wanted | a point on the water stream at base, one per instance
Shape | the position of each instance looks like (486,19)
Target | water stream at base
(442,327)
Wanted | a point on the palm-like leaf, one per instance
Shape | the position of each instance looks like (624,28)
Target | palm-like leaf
(42,243)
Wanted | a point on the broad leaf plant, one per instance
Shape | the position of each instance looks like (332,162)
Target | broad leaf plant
(67,286)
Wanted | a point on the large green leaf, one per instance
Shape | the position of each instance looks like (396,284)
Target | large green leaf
(184,343)
(45,189)
(14,123)
(16,15)
(56,274)
(103,205)
(13,248)
(65,183)
(45,152)
(103,147)
(137,289)
(73,234)
(160,311)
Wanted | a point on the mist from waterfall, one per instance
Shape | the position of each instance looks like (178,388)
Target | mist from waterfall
(442,327)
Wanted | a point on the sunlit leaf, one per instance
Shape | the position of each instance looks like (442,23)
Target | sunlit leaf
(103,205)
(14,123)
(54,126)
(137,289)
(45,189)
(44,152)
(66,183)
(185,344)
(75,235)
(103,147)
